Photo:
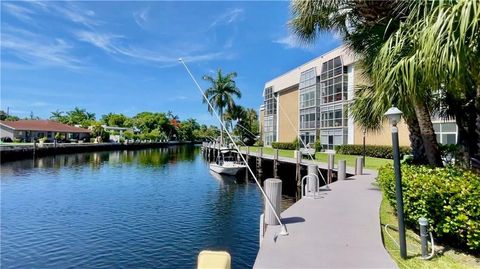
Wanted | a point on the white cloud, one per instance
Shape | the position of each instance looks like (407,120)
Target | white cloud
(290,42)
(69,11)
(115,45)
(20,12)
(178,98)
(141,16)
(37,49)
(103,41)
(230,16)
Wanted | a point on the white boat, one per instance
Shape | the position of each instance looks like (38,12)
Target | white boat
(225,163)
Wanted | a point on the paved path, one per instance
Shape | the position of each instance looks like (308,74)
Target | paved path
(339,230)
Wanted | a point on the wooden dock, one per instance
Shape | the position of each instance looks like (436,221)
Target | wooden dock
(339,230)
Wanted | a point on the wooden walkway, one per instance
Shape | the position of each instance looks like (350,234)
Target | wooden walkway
(339,230)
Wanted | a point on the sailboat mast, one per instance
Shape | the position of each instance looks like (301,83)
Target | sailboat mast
(221,126)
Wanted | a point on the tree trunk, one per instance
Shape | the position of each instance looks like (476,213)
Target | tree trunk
(221,126)
(477,129)
(416,142)
(428,135)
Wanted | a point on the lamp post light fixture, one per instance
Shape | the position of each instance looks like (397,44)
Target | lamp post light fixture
(394,115)
(364,132)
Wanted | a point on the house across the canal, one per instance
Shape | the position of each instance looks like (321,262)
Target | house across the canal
(27,130)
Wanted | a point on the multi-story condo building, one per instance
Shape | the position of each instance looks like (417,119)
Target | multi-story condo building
(312,101)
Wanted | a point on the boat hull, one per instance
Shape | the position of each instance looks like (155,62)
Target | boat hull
(231,170)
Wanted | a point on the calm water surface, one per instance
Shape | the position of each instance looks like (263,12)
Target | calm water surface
(155,208)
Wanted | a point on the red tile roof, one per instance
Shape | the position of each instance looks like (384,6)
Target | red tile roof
(42,125)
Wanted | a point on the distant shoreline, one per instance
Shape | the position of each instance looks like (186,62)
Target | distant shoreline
(11,153)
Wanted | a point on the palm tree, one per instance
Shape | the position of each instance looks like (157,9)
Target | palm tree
(57,115)
(221,94)
(235,113)
(366,26)
(444,58)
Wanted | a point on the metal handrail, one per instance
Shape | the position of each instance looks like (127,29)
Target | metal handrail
(317,180)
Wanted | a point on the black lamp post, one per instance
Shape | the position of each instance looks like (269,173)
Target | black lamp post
(364,132)
(394,115)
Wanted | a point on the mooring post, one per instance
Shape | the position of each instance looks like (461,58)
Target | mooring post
(342,170)
(275,164)
(298,160)
(247,153)
(273,189)
(259,161)
(331,162)
(312,178)
(359,166)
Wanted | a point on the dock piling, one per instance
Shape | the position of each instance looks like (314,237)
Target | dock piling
(273,189)
(275,164)
(259,161)
(331,164)
(312,178)
(342,170)
(359,166)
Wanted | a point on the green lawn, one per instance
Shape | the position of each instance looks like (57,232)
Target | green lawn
(15,144)
(444,258)
(370,163)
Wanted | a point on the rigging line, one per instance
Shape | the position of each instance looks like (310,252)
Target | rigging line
(301,140)
(238,124)
(284,227)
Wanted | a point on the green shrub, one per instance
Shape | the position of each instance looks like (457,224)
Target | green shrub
(448,197)
(17,140)
(259,143)
(318,146)
(296,143)
(128,134)
(284,145)
(385,152)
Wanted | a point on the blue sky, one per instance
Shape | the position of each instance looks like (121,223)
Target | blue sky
(122,56)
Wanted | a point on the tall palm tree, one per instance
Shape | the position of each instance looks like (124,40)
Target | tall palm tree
(235,113)
(57,115)
(221,93)
(444,57)
(366,26)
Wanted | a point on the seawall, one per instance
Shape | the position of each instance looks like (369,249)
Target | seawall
(10,153)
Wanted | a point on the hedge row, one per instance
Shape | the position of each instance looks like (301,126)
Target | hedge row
(385,152)
(284,145)
(448,197)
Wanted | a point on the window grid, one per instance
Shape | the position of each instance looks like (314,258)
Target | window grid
(333,86)
(446,132)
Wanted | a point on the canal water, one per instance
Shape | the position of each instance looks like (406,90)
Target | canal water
(153,208)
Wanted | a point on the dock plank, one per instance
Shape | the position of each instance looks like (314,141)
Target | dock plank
(339,230)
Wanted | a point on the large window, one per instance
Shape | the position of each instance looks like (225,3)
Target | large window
(309,93)
(307,97)
(333,81)
(270,102)
(269,128)
(332,137)
(333,116)
(446,132)
(307,118)
(307,138)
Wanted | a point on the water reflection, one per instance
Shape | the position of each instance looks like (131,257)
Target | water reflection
(147,157)
(152,208)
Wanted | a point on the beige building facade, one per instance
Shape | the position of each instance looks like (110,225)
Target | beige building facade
(311,102)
